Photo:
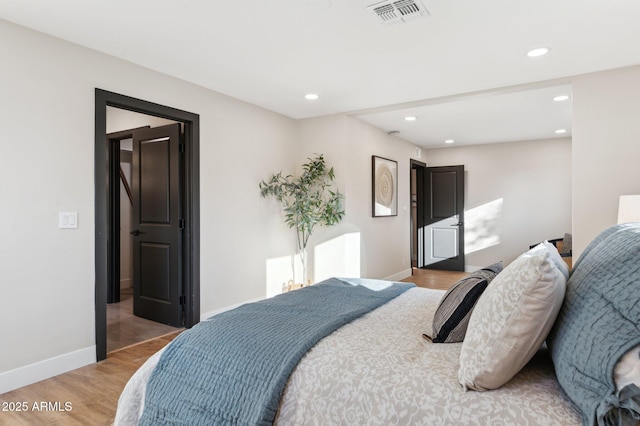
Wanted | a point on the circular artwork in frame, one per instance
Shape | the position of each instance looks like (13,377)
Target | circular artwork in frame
(384,187)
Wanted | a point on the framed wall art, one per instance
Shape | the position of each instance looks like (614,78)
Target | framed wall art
(384,186)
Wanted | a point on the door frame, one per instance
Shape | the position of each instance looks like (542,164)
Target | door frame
(104,264)
(417,219)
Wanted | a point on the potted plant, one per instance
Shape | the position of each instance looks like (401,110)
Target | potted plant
(307,200)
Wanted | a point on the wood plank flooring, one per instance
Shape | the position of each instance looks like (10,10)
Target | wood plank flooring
(93,391)
(430,278)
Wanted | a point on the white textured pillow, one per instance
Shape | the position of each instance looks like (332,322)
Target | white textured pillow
(510,321)
(554,256)
(627,370)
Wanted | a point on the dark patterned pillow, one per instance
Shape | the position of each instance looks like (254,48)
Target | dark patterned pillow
(452,315)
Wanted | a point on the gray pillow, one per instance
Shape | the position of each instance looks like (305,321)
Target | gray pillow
(598,324)
(452,314)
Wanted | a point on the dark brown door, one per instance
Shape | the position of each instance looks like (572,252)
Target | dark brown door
(444,222)
(157,224)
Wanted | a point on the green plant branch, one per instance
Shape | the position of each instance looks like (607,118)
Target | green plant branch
(306,200)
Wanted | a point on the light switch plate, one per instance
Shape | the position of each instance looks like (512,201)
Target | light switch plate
(68,220)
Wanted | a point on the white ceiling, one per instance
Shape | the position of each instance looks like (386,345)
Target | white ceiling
(270,53)
(488,118)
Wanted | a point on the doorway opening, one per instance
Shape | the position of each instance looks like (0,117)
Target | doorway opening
(107,260)
(437,217)
(127,323)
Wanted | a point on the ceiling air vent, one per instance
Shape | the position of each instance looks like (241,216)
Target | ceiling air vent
(390,12)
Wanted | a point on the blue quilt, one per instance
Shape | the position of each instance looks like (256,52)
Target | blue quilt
(233,367)
(598,323)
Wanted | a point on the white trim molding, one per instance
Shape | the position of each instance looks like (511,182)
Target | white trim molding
(399,275)
(32,373)
(209,314)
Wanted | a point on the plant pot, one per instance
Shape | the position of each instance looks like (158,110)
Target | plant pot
(290,285)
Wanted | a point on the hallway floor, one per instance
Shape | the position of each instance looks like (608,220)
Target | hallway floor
(435,279)
(125,329)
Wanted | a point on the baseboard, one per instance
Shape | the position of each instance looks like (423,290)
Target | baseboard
(399,275)
(32,373)
(126,283)
(226,308)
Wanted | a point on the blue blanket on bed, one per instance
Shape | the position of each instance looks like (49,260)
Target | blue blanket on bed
(598,323)
(233,367)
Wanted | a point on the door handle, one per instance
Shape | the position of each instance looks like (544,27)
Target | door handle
(135,232)
(458,224)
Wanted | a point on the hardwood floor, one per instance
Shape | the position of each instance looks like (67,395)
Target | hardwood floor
(86,396)
(93,391)
(431,278)
(89,395)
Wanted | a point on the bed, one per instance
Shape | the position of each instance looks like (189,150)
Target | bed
(379,369)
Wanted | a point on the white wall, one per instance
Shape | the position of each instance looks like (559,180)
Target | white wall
(121,119)
(516,194)
(47,165)
(384,242)
(606,149)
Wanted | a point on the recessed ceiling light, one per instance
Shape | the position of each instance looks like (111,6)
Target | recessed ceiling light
(311,96)
(411,118)
(561,131)
(540,51)
(561,98)
(449,141)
